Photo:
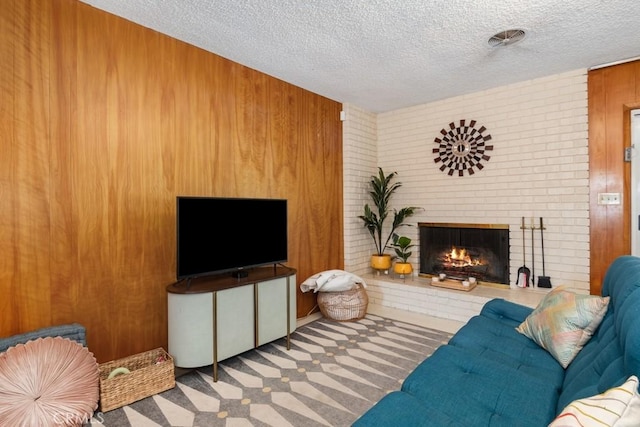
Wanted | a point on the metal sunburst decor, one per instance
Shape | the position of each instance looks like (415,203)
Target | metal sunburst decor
(462,148)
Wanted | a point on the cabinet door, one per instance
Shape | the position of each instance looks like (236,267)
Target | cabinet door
(272,309)
(235,321)
(190,331)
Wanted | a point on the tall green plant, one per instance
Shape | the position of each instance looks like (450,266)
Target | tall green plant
(382,188)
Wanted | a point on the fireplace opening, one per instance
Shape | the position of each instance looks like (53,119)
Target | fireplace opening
(465,250)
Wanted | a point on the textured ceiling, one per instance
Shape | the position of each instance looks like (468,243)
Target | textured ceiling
(383,55)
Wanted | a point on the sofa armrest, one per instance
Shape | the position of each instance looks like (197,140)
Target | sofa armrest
(506,311)
(73,331)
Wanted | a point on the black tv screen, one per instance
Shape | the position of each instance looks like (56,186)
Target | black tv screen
(218,235)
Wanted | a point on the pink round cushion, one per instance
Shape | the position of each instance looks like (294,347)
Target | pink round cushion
(49,381)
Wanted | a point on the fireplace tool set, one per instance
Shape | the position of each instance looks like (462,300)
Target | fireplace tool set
(527,277)
(523,272)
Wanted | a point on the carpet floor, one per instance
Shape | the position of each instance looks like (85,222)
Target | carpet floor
(332,374)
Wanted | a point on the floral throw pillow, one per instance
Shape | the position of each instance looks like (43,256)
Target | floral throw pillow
(618,406)
(564,322)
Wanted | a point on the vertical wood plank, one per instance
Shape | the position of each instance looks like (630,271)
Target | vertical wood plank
(25,226)
(8,263)
(612,92)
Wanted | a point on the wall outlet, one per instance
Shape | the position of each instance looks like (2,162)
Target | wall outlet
(608,198)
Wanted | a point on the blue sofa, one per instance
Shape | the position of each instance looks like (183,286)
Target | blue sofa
(489,374)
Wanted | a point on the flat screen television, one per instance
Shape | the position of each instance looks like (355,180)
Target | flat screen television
(221,235)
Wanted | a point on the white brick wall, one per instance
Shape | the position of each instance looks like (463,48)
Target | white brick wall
(360,160)
(539,167)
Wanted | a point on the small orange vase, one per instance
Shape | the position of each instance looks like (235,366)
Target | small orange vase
(403,268)
(381,262)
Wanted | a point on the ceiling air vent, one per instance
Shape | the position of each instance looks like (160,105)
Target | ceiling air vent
(505,38)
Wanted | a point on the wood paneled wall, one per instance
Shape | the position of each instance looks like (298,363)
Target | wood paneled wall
(102,124)
(613,92)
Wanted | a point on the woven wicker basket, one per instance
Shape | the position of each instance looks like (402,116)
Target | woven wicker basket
(147,377)
(345,305)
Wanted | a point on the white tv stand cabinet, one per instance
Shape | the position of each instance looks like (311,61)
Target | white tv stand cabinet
(217,317)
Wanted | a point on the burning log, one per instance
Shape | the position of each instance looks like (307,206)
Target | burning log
(461,262)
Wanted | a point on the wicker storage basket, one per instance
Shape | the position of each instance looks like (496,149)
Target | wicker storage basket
(151,372)
(345,305)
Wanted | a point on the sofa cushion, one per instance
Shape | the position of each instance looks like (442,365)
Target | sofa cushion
(398,409)
(479,391)
(499,341)
(563,322)
(613,352)
(622,284)
(618,406)
(506,312)
(597,367)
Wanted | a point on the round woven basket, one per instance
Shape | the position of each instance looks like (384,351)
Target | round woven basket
(345,305)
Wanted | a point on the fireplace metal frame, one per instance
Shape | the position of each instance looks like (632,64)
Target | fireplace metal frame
(463,225)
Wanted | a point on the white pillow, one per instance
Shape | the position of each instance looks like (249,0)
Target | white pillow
(618,406)
(331,281)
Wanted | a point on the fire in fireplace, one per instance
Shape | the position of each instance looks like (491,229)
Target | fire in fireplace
(465,250)
(461,258)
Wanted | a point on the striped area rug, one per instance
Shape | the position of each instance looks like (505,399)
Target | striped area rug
(332,374)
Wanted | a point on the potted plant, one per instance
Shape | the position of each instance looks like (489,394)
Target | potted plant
(382,188)
(402,246)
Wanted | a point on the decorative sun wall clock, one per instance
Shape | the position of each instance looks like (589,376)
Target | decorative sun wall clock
(462,148)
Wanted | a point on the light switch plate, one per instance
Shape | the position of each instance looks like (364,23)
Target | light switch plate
(608,198)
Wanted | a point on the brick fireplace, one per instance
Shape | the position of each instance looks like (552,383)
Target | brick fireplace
(539,167)
(465,250)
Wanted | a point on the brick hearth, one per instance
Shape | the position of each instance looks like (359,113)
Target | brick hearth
(416,295)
